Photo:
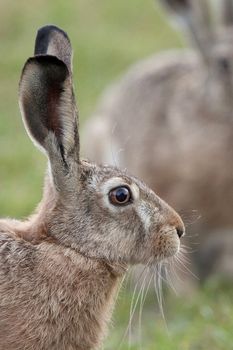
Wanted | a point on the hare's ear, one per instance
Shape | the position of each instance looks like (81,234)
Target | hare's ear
(176,6)
(227,12)
(47,100)
(196,16)
(51,40)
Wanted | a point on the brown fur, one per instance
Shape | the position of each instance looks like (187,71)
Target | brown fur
(60,270)
(56,298)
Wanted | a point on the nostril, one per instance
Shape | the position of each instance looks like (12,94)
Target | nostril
(180,231)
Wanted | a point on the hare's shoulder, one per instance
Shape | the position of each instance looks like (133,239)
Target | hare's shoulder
(47,256)
(15,252)
(19,253)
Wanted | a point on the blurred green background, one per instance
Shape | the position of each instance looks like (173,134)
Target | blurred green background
(107,36)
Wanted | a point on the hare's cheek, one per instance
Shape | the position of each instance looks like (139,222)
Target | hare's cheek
(166,244)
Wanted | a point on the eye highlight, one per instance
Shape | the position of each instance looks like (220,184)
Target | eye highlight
(120,196)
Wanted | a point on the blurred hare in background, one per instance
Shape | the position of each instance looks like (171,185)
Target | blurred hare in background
(169,120)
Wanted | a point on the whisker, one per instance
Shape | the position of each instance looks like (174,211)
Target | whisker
(169,279)
(163,272)
(182,255)
(133,304)
(186,249)
(173,273)
(181,266)
(190,217)
(111,145)
(133,309)
(116,153)
(142,300)
(159,292)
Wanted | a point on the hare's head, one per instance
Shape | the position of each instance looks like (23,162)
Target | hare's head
(100,211)
(210,24)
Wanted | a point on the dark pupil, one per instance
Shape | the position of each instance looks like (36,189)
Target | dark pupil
(122,194)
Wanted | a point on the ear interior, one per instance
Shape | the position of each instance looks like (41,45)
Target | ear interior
(47,103)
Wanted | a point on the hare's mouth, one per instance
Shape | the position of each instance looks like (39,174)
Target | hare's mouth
(167,244)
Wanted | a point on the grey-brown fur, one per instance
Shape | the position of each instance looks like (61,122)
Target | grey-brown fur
(170,121)
(60,270)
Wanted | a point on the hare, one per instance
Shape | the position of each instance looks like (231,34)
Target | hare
(169,120)
(60,270)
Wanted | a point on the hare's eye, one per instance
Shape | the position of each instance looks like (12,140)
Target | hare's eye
(120,195)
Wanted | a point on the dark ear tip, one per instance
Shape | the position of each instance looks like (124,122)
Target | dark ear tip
(44,35)
(176,5)
(51,28)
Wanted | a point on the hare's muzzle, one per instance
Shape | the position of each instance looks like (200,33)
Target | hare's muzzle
(167,240)
(174,221)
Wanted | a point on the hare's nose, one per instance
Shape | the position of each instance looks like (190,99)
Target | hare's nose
(180,231)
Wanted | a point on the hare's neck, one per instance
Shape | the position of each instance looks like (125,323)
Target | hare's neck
(89,289)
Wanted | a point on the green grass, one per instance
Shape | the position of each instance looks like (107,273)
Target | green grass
(199,321)
(107,36)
